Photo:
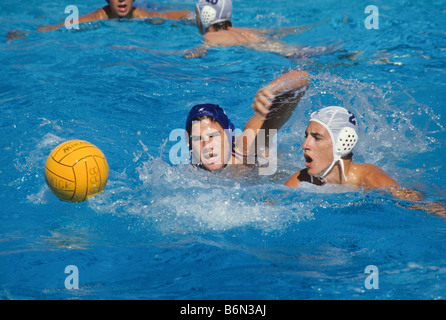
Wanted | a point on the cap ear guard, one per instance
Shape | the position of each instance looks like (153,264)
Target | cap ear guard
(208,15)
(347,140)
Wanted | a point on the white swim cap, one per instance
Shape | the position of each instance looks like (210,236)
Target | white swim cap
(342,126)
(214,11)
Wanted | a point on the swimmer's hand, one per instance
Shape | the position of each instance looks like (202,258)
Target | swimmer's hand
(405,194)
(196,53)
(434,207)
(16,34)
(437,208)
(262,103)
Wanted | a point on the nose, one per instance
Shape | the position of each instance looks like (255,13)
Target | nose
(305,145)
(208,143)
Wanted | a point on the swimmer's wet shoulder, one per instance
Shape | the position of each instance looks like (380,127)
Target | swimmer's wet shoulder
(232,37)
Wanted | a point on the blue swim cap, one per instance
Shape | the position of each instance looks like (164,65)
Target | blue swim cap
(213,111)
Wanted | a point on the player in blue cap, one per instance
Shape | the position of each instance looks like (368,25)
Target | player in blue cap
(212,142)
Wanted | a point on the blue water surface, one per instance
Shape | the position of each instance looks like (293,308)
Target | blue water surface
(166,231)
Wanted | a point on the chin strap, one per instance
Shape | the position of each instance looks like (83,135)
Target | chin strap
(343,169)
(331,167)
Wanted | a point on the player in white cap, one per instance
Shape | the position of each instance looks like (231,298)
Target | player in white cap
(214,22)
(330,137)
(216,13)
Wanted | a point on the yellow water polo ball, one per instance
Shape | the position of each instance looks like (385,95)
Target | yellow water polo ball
(76,170)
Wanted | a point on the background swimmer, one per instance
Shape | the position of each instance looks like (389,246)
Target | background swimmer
(330,137)
(210,131)
(116,9)
(214,22)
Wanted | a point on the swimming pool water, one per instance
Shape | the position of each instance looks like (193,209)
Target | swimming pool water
(165,231)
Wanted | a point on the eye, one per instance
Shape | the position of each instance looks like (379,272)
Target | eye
(195,138)
(316,136)
(214,135)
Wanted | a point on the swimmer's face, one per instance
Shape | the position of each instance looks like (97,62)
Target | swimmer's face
(210,144)
(121,8)
(318,149)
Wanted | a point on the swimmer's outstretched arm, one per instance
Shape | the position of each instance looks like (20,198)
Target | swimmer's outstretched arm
(99,14)
(169,15)
(282,32)
(105,13)
(434,207)
(378,179)
(19,34)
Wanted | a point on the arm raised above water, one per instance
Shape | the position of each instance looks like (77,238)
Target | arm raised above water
(273,105)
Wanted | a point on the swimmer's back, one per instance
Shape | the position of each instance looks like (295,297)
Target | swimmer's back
(233,37)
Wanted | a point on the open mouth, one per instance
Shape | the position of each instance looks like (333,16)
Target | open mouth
(122,7)
(209,157)
(308,160)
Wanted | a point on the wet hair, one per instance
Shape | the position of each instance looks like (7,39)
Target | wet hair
(224,25)
(348,156)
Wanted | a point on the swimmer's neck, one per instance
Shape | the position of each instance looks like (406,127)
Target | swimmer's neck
(335,176)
